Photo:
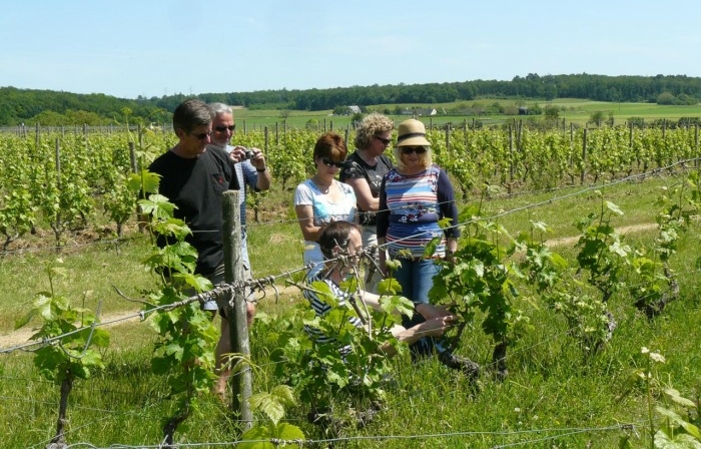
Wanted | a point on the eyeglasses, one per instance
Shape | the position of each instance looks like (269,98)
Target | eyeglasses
(409,150)
(383,140)
(222,128)
(329,163)
(202,136)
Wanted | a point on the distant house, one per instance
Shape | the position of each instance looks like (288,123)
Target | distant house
(428,111)
(522,110)
(354,109)
(419,111)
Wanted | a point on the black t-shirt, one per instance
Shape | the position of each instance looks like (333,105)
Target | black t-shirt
(196,186)
(356,167)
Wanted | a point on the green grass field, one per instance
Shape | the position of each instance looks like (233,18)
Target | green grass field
(554,396)
(575,110)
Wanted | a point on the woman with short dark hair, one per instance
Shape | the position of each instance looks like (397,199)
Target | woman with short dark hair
(322,199)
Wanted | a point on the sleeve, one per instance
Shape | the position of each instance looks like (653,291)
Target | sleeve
(351,170)
(303,195)
(250,175)
(383,212)
(446,201)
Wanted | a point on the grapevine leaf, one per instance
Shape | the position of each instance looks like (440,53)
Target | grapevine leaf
(100,338)
(389,286)
(268,404)
(430,248)
(613,208)
(259,433)
(675,396)
(285,395)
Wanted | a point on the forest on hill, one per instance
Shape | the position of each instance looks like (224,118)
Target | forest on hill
(48,107)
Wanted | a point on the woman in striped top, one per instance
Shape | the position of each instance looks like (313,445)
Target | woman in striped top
(414,196)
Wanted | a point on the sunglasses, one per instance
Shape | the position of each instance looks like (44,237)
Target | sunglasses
(383,140)
(329,163)
(409,150)
(202,136)
(222,128)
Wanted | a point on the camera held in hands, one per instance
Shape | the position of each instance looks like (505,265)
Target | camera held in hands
(249,154)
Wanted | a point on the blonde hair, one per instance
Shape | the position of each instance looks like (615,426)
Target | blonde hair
(372,125)
(425,159)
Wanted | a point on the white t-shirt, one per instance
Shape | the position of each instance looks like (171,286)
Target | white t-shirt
(324,211)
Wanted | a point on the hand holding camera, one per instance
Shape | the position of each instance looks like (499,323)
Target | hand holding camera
(241,153)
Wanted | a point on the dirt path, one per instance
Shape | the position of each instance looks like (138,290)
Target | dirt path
(622,230)
(21,336)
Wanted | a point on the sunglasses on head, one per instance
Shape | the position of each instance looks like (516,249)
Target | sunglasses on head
(409,150)
(383,140)
(222,128)
(202,136)
(329,163)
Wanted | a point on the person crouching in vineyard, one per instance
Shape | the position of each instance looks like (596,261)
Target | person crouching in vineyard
(414,196)
(323,199)
(343,238)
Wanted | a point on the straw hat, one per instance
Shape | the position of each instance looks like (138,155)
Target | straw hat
(411,133)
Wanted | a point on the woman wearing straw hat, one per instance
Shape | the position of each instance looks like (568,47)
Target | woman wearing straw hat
(414,196)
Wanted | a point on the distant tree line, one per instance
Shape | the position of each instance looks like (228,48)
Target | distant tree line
(64,108)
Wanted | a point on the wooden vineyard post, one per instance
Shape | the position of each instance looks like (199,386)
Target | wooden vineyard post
(238,325)
(267,140)
(447,139)
(132,158)
(511,154)
(696,144)
(584,156)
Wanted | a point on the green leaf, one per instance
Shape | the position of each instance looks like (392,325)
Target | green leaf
(255,434)
(430,248)
(268,404)
(675,396)
(389,286)
(692,430)
(613,208)
(175,349)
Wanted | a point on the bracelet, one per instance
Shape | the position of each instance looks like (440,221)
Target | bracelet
(261,170)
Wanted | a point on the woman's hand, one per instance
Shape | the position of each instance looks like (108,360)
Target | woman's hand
(435,327)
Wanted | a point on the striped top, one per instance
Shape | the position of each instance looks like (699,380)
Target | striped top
(410,208)
(321,308)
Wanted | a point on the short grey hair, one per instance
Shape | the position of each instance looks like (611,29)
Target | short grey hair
(192,113)
(221,108)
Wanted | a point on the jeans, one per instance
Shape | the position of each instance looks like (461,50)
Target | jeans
(416,278)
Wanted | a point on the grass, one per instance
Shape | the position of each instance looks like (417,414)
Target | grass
(574,110)
(551,386)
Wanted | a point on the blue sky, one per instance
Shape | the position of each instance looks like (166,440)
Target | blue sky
(128,48)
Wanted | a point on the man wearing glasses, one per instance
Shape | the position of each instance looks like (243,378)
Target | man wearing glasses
(251,173)
(194,175)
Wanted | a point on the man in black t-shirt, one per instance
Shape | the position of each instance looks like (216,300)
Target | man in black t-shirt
(194,177)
